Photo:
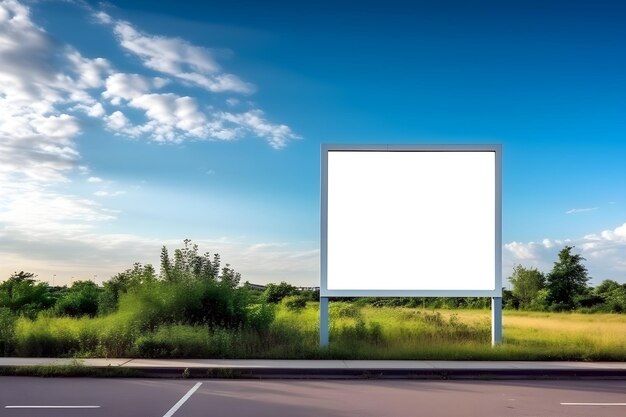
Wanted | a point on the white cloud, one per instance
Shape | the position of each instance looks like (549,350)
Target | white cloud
(277,135)
(40,80)
(580,210)
(37,212)
(96,110)
(106,193)
(118,122)
(129,86)
(102,17)
(174,118)
(94,179)
(175,57)
(605,253)
(172,113)
(91,72)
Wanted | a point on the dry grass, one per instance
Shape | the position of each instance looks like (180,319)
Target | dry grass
(356,333)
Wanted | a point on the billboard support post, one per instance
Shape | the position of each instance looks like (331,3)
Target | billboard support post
(496,321)
(324,321)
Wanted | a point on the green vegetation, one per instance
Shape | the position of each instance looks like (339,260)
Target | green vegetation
(75,369)
(357,332)
(194,308)
(564,288)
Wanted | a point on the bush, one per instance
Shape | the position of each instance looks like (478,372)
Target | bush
(274,293)
(80,300)
(23,296)
(344,310)
(174,341)
(260,316)
(209,303)
(7,330)
(47,337)
(294,303)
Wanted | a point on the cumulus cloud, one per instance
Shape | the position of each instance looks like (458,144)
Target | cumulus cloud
(175,57)
(40,80)
(171,117)
(605,253)
(120,86)
(43,83)
(253,120)
(174,118)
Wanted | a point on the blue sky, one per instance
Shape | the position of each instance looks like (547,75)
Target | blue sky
(128,125)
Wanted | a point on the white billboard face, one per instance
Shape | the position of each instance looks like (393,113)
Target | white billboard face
(411,222)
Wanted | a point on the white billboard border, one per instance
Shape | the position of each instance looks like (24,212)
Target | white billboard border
(496,294)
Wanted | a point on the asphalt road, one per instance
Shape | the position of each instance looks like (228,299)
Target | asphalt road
(319,398)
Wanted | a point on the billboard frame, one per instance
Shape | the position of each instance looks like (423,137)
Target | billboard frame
(495,294)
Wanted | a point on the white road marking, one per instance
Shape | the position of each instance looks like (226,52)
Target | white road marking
(597,404)
(182,400)
(51,406)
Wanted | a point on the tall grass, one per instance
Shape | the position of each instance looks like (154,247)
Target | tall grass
(357,332)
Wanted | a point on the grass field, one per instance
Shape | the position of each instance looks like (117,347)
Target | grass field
(356,333)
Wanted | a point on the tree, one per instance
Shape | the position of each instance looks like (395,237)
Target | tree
(526,283)
(229,277)
(567,279)
(80,300)
(23,296)
(274,293)
(123,282)
(187,265)
(613,295)
(166,265)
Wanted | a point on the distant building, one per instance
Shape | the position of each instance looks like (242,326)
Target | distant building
(259,287)
(255,286)
(308,288)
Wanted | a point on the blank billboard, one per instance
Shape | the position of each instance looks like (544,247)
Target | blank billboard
(411,221)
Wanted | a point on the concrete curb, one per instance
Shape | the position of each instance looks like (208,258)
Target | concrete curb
(374,373)
(331,369)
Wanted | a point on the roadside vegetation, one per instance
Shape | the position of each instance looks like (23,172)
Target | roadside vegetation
(197,308)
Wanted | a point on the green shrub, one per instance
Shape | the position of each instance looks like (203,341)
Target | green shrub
(174,341)
(344,310)
(7,330)
(274,293)
(47,337)
(80,300)
(294,303)
(260,316)
(190,302)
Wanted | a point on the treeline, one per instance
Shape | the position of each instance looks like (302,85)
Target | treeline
(564,288)
(190,289)
(195,288)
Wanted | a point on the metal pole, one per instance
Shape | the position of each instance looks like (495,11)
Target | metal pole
(496,321)
(323,321)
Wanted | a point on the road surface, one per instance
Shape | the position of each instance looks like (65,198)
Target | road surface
(89,397)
